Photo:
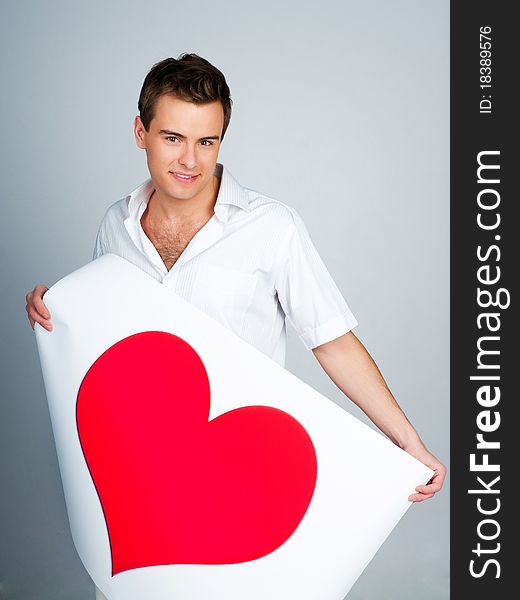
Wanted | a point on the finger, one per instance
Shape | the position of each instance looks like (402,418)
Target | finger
(39,305)
(29,315)
(435,483)
(28,298)
(419,497)
(429,488)
(46,324)
(36,317)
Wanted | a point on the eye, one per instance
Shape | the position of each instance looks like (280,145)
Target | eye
(171,137)
(208,142)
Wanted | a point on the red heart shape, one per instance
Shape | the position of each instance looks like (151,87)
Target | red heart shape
(175,488)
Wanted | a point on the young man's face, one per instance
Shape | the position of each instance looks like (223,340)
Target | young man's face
(183,139)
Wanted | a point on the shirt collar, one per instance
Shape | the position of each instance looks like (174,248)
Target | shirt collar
(230,193)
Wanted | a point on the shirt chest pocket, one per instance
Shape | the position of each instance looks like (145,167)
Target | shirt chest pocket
(224,294)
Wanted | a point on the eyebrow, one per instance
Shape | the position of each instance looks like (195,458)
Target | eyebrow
(183,137)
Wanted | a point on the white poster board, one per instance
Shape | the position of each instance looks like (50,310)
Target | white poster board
(196,467)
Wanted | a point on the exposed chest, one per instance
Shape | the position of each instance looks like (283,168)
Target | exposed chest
(171,240)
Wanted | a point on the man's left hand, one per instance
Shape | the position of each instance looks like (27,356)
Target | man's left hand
(424,492)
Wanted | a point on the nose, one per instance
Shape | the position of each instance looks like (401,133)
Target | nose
(187,157)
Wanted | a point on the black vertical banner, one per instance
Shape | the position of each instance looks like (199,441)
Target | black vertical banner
(485,259)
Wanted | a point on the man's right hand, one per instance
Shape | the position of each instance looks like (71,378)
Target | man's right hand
(36,310)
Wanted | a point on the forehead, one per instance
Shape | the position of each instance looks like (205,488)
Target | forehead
(188,118)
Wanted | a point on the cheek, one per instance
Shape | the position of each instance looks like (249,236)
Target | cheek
(164,157)
(161,153)
(208,157)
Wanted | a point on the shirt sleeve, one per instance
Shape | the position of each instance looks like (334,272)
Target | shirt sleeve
(306,291)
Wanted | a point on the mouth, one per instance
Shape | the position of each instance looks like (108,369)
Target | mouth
(183,177)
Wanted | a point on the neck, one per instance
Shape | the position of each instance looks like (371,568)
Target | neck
(162,208)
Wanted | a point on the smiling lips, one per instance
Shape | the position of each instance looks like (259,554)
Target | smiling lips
(184,178)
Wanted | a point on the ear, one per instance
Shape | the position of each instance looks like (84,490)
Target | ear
(139,133)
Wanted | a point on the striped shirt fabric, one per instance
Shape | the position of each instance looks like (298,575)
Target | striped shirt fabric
(251,266)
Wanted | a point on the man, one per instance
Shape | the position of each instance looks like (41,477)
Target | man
(241,257)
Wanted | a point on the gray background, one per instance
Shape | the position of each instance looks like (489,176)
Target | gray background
(340,110)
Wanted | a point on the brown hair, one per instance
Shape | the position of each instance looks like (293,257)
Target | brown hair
(190,78)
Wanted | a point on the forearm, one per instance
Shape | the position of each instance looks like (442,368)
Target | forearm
(347,362)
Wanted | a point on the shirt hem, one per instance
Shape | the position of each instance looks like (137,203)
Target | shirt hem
(328,331)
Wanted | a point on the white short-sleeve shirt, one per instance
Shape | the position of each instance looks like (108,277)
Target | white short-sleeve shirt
(249,267)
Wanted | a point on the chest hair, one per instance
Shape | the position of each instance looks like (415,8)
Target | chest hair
(171,240)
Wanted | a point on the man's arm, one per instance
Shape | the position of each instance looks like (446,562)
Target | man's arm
(347,362)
